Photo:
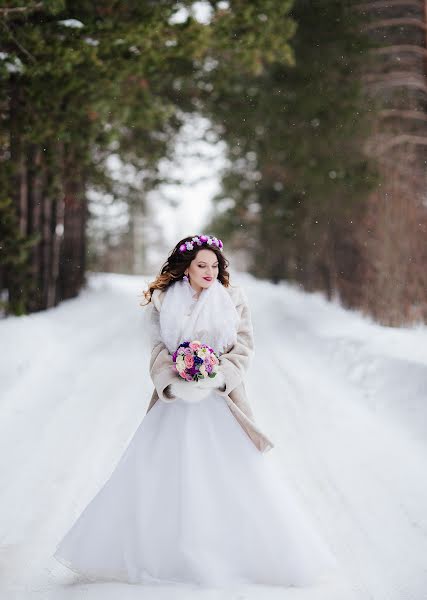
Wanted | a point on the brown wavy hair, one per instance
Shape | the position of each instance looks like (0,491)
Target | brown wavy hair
(176,264)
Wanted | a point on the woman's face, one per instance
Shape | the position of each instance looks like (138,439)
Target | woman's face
(203,269)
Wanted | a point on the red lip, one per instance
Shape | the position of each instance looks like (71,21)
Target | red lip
(208,278)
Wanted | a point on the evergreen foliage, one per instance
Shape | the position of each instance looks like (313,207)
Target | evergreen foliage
(81,80)
(15,250)
(295,136)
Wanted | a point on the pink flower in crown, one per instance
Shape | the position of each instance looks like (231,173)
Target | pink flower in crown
(199,240)
(195,345)
(189,361)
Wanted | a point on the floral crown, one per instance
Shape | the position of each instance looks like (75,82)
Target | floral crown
(200,240)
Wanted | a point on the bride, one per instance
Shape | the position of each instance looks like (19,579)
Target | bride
(194,497)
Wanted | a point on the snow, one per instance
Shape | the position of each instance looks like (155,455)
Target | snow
(343,399)
(13,64)
(73,23)
(91,41)
(200,11)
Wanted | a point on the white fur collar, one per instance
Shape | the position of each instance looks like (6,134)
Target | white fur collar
(213,318)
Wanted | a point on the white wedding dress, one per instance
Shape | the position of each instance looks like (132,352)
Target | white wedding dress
(192,500)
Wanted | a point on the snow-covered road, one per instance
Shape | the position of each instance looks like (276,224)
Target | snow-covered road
(344,400)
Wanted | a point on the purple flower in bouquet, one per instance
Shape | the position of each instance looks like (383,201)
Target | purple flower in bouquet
(194,361)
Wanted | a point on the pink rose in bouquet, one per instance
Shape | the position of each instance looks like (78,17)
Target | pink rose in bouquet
(195,361)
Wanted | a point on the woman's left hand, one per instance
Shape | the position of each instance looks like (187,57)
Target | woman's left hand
(188,391)
(217,382)
(195,391)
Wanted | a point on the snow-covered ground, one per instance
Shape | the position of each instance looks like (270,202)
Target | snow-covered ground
(344,400)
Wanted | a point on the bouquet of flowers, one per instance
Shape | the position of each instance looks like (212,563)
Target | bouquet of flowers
(195,361)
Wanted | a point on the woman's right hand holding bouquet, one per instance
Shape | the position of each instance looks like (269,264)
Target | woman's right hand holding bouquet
(198,371)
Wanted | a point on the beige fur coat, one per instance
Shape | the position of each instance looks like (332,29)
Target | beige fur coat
(234,364)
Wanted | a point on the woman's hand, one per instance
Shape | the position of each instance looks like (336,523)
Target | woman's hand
(217,382)
(194,391)
(188,391)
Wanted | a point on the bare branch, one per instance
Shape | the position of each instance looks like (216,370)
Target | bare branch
(5,12)
(396,79)
(400,48)
(395,22)
(386,4)
(20,46)
(403,114)
(377,147)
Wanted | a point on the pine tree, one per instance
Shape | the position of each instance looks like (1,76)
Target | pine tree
(298,172)
(82,81)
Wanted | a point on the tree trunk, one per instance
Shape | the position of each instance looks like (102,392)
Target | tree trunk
(392,233)
(73,254)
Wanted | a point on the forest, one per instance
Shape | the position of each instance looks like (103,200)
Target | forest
(322,107)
